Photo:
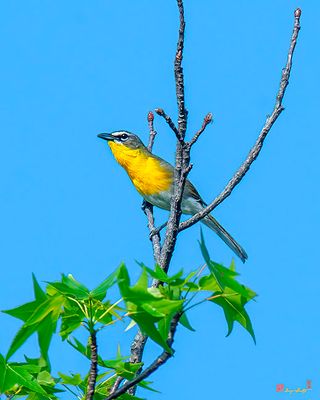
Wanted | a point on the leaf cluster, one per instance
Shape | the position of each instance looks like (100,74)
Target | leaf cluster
(66,305)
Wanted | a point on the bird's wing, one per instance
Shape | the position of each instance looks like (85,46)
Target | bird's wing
(191,191)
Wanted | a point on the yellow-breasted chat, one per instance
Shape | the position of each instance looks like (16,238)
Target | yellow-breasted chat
(153,178)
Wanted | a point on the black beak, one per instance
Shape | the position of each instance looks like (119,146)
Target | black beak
(106,136)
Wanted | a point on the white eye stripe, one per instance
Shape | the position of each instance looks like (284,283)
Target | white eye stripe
(121,136)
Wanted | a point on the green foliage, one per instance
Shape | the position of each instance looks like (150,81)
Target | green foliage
(67,305)
(151,308)
(228,293)
(30,379)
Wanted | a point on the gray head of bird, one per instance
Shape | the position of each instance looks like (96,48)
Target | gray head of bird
(125,138)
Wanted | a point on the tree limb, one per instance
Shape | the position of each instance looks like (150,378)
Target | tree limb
(182,152)
(94,366)
(254,152)
(160,360)
(116,385)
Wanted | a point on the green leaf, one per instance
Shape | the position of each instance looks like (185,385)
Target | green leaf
(52,304)
(125,369)
(150,309)
(163,307)
(39,294)
(40,362)
(3,371)
(22,377)
(123,278)
(100,291)
(158,273)
(204,249)
(233,307)
(45,378)
(103,312)
(74,379)
(84,350)
(127,396)
(69,287)
(24,311)
(132,323)
(147,326)
(209,282)
(185,322)
(46,329)
(142,283)
(22,335)
(146,385)
(148,306)
(70,322)
(161,275)
(228,293)
(77,345)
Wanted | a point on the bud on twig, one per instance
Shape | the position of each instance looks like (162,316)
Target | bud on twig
(208,118)
(150,116)
(159,111)
(297,13)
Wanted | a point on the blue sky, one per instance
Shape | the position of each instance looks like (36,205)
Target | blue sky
(70,70)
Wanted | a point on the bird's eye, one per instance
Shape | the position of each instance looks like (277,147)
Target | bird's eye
(124,136)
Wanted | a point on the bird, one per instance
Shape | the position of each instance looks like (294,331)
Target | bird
(153,178)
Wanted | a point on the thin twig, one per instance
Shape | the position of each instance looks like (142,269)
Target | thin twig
(160,360)
(154,232)
(182,152)
(207,120)
(94,366)
(168,120)
(147,207)
(116,385)
(254,152)
(178,74)
(152,132)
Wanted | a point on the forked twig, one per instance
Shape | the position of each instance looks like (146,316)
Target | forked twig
(254,152)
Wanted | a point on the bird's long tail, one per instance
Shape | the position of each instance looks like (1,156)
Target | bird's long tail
(213,224)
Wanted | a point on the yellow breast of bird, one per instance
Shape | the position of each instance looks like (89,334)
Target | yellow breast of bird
(147,173)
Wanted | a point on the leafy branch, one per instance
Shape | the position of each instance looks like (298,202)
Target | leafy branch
(156,311)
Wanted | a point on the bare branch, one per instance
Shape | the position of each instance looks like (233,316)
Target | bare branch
(207,120)
(169,121)
(178,74)
(182,152)
(152,132)
(160,360)
(147,207)
(137,349)
(154,232)
(94,366)
(254,152)
(116,385)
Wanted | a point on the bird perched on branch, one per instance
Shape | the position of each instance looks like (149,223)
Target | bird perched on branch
(153,178)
